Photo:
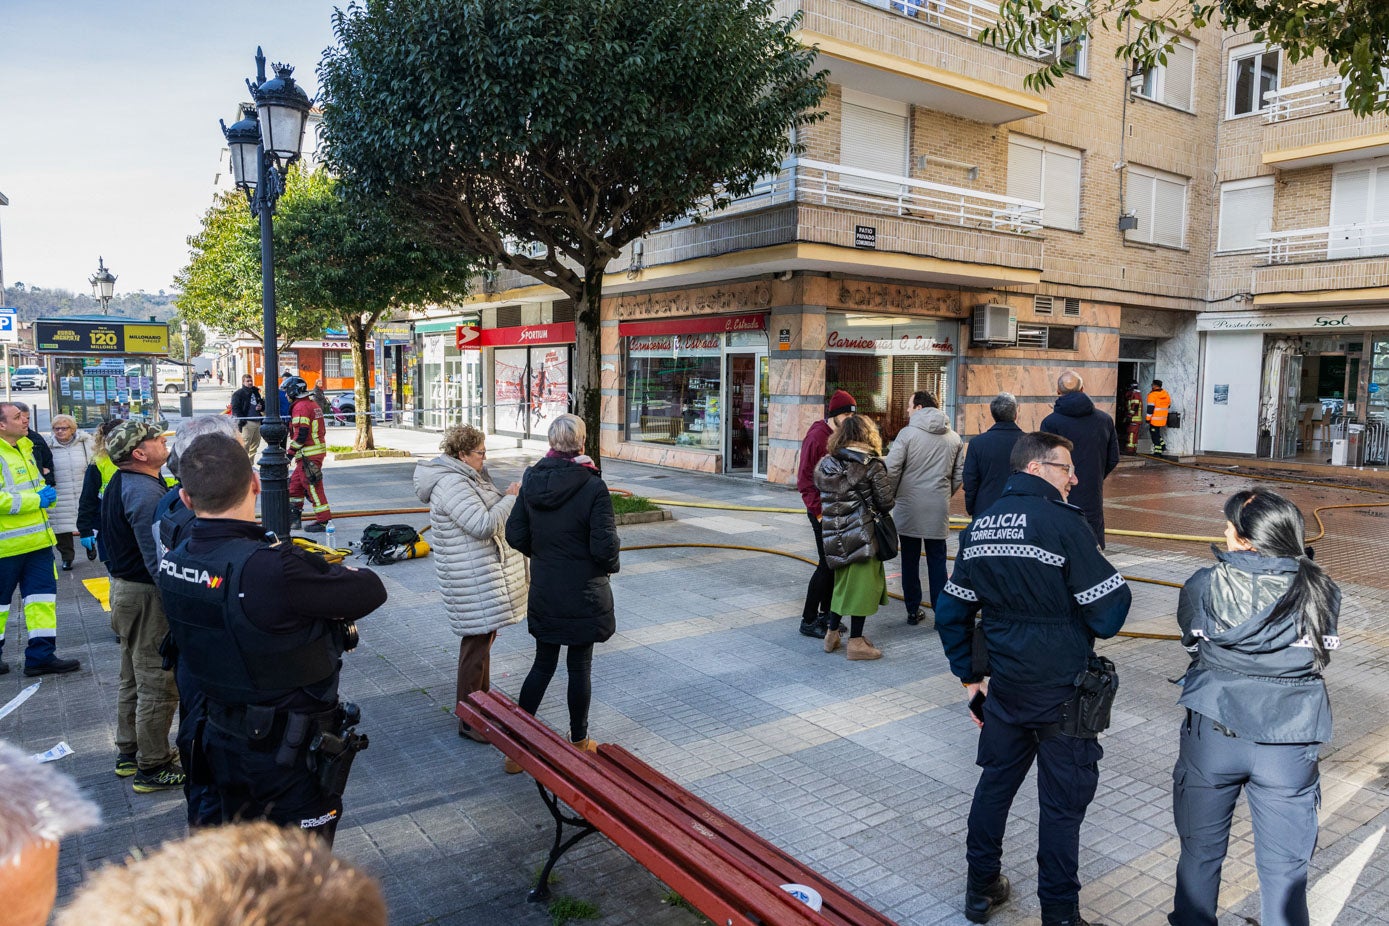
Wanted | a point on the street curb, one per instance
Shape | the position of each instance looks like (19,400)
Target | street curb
(644,517)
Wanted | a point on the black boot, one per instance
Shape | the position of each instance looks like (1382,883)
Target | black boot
(1064,915)
(816,628)
(981,900)
(296,518)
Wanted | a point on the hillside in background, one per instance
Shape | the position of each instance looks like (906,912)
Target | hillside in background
(33,302)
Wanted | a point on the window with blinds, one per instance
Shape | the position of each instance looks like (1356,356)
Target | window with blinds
(1360,210)
(1173,83)
(1246,212)
(873,137)
(1047,173)
(1159,201)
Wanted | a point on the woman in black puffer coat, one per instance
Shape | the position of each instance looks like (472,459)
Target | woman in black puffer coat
(853,484)
(563,521)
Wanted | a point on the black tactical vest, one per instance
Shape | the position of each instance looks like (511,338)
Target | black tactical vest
(232,660)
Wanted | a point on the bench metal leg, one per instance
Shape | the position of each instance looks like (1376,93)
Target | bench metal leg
(541,892)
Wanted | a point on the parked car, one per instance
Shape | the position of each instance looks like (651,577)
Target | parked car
(28,378)
(344,407)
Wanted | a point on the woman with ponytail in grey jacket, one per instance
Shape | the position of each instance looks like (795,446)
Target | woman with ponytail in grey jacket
(1260,626)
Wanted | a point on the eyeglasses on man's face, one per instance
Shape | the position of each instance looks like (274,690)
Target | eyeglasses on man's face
(1070,468)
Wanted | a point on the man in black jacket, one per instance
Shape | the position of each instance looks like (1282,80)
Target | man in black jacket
(248,408)
(148,698)
(261,629)
(1029,562)
(1096,443)
(986,457)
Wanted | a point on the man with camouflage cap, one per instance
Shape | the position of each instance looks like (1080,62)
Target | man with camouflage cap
(148,698)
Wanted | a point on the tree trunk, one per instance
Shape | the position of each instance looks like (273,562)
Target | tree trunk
(588,350)
(357,335)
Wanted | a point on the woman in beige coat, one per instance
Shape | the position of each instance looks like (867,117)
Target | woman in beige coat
(482,579)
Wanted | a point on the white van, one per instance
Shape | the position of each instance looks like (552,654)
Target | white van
(169,377)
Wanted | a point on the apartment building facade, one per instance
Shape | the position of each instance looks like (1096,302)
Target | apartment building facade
(1220,222)
(1295,342)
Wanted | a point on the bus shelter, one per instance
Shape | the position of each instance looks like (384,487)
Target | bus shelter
(102,367)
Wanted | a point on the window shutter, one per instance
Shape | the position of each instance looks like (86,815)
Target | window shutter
(1181,73)
(872,138)
(1245,213)
(1024,171)
(1169,207)
(1062,184)
(1140,199)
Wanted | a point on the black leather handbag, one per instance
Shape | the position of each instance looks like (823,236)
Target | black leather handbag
(884,530)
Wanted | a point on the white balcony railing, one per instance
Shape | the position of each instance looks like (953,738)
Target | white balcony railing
(1330,242)
(966,17)
(1309,99)
(817,182)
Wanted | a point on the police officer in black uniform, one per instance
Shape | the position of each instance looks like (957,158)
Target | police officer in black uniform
(1030,563)
(262,627)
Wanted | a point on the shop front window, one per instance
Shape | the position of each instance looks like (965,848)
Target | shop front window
(673,389)
(881,361)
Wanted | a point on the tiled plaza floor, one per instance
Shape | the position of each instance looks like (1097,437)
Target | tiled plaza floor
(865,770)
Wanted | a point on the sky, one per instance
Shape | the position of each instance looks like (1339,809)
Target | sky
(109,140)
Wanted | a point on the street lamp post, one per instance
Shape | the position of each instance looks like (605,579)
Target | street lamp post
(262,145)
(103,285)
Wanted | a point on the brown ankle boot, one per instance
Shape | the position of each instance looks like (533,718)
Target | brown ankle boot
(832,640)
(586,744)
(512,767)
(860,648)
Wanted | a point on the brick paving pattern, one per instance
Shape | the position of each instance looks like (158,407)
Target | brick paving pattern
(865,770)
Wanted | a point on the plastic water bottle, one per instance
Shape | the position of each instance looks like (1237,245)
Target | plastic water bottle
(328,531)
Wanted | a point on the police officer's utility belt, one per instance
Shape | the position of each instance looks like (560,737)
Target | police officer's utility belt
(1086,713)
(261,723)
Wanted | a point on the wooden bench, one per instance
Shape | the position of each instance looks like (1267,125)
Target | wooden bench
(723,869)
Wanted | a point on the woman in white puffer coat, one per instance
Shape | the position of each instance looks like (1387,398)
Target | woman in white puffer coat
(72,451)
(483,580)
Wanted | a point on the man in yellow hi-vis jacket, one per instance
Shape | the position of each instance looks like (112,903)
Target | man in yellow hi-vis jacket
(26,547)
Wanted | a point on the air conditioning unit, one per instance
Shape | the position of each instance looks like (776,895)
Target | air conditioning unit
(994,325)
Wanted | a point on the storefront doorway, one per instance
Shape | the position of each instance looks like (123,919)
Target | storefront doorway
(747,399)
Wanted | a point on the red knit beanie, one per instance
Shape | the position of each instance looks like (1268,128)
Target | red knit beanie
(841,402)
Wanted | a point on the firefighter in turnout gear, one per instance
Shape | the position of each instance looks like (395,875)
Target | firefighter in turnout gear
(262,628)
(1133,418)
(307,446)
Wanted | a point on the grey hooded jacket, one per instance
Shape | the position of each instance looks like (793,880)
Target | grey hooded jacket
(1252,674)
(848,481)
(926,466)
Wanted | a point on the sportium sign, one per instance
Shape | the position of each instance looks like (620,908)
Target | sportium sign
(113,337)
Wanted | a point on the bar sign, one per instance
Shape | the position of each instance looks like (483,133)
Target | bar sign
(865,236)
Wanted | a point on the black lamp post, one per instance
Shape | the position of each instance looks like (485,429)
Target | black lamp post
(103,285)
(262,145)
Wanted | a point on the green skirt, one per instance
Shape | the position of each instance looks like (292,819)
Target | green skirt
(859,589)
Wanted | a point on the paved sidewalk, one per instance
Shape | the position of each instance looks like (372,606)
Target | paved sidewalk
(865,770)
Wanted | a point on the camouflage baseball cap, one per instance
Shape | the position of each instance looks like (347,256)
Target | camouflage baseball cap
(128,435)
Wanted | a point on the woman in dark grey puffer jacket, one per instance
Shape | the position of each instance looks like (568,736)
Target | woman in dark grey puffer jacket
(851,478)
(1260,626)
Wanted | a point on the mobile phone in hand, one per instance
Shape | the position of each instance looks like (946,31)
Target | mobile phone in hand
(976,706)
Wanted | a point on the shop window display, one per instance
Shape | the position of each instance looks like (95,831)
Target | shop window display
(673,384)
(881,361)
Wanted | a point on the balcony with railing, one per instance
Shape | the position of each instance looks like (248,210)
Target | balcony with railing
(1341,258)
(924,52)
(1308,124)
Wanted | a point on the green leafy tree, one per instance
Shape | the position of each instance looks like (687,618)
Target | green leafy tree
(577,125)
(355,262)
(220,286)
(1351,34)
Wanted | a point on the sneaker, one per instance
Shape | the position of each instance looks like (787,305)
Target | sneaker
(315,527)
(54,665)
(816,628)
(915,617)
(981,903)
(165,778)
(125,765)
(67,565)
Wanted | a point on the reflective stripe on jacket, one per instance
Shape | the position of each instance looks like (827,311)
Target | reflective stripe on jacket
(23,524)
